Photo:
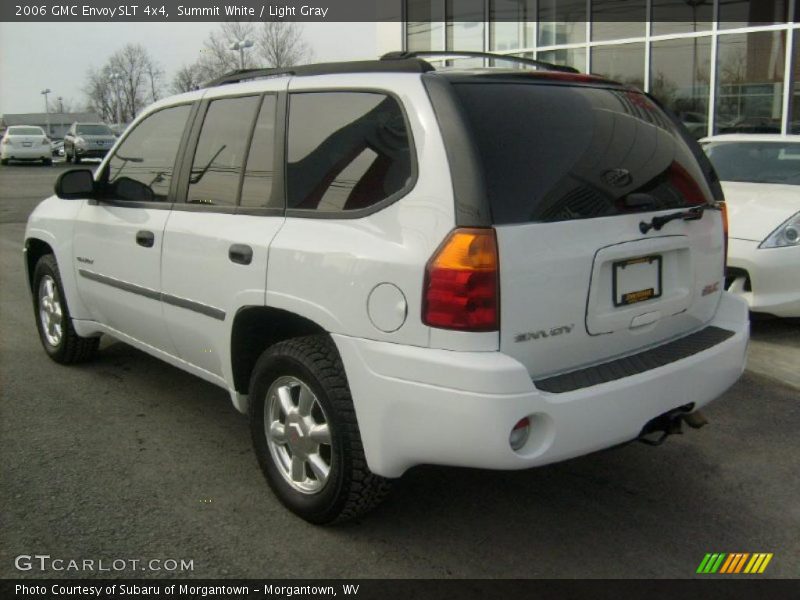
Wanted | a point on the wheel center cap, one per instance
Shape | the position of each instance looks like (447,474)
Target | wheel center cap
(297,436)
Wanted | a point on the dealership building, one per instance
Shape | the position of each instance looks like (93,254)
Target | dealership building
(723,66)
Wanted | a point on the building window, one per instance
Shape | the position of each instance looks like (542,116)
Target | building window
(571,57)
(679,77)
(631,15)
(794,113)
(750,70)
(562,22)
(425,29)
(681,16)
(623,63)
(749,13)
(511,24)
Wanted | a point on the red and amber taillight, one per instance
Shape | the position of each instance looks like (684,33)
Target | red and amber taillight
(462,282)
(723,207)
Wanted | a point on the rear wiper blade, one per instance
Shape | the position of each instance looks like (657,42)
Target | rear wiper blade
(692,214)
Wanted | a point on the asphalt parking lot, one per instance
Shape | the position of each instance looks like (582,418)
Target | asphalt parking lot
(130,458)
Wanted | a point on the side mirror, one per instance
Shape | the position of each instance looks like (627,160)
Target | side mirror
(77,184)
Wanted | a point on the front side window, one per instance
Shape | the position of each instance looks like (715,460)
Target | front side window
(346,150)
(142,166)
(220,154)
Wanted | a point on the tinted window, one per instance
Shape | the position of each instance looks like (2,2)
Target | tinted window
(759,162)
(142,167)
(346,150)
(93,129)
(556,152)
(218,160)
(257,184)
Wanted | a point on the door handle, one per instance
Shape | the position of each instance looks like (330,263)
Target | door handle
(240,254)
(145,238)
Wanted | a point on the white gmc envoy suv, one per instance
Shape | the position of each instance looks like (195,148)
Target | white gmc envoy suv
(386,265)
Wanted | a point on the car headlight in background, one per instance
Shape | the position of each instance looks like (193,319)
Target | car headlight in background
(787,234)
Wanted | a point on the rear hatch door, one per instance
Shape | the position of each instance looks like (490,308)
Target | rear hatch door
(573,174)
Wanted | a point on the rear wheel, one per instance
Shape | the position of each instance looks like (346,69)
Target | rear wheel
(4,161)
(47,162)
(305,432)
(53,321)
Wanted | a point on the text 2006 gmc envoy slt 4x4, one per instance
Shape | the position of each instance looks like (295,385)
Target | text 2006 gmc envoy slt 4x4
(388,265)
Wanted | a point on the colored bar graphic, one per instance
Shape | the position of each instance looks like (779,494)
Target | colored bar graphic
(702,567)
(741,562)
(734,563)
(767,558)
(717,564)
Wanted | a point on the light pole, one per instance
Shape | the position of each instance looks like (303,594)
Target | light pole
(116,77)
(241,46)
(44,93)
(61,115)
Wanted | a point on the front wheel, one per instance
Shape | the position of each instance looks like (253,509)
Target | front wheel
(305,433)
(53,321)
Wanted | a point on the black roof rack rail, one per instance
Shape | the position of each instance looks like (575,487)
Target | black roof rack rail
(403,55)
(245,74)
(404,65)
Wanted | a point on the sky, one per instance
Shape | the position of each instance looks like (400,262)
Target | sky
(35,56)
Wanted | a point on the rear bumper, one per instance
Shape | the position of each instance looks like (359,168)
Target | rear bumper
(21,153)
(426,406)
(774,277)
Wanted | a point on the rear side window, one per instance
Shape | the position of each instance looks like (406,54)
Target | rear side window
(142,167)
(258,174)
(557,152)
(220,153)
(346,150)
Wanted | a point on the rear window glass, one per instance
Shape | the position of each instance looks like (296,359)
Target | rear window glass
(757,162)
(25,131)
(557,152)
(93,130)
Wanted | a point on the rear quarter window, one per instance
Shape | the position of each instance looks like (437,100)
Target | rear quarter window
(346,151)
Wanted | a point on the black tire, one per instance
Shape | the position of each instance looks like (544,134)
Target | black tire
(4,161)
(351,488)
(47,162)
(71,348)
(67,156)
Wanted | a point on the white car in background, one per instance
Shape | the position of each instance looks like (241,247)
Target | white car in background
(25,142)
(760,177)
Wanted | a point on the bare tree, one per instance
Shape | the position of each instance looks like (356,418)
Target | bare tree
(186,79)
(100,95)
(216,56)
(281,44)
(130,79)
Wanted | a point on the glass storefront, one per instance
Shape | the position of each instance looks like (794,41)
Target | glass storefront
(680,76)
(669,55)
